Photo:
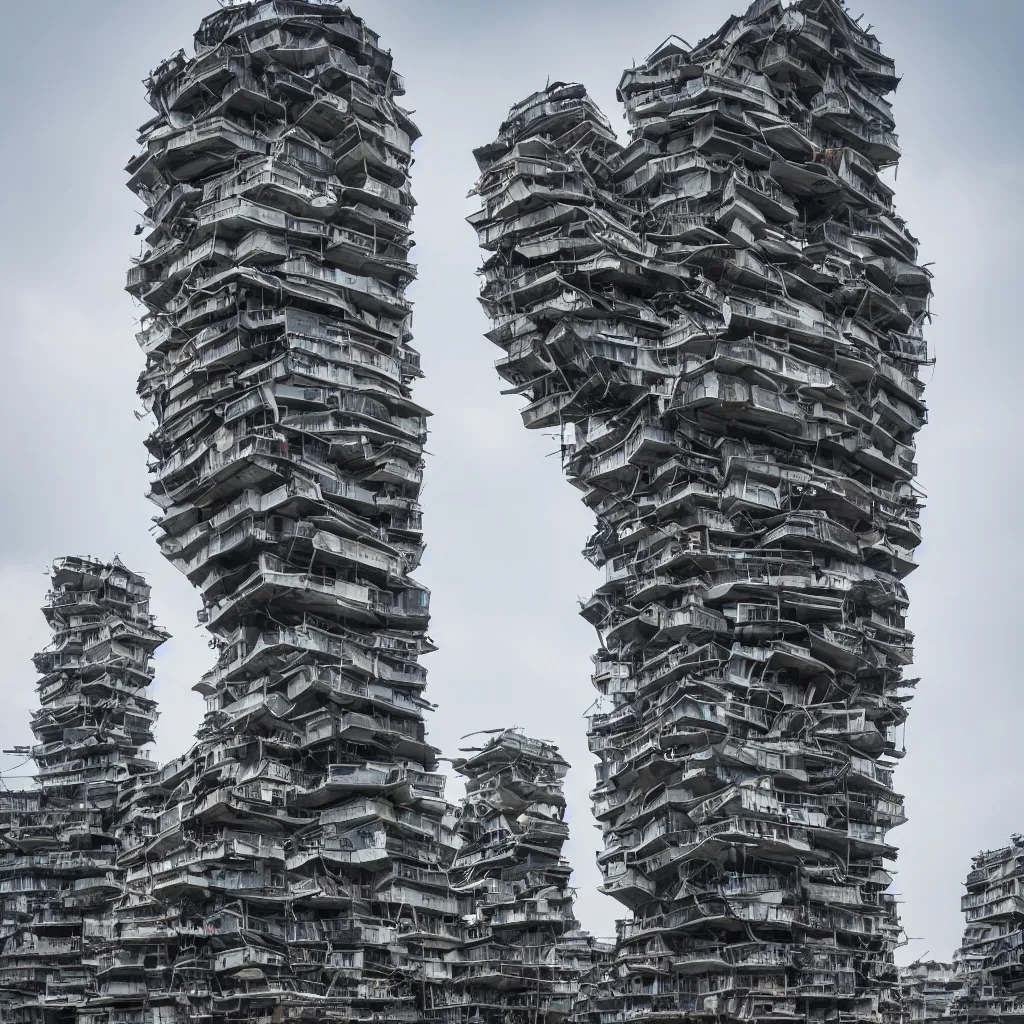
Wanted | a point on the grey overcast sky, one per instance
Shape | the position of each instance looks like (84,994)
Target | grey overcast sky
(504,530)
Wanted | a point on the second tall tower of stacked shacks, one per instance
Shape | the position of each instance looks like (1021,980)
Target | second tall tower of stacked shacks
(724,319)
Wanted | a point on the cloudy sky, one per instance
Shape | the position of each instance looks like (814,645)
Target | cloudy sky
(504,530)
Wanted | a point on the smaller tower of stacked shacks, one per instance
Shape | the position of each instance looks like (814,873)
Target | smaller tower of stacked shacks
(523,955)
(95,717)
(990,960)
(928,988)
(57,868)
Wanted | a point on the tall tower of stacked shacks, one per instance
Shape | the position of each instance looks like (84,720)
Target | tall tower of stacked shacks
(990,961)
(524,958)
(58,870)
(929,988)
(293,865)
(724,318)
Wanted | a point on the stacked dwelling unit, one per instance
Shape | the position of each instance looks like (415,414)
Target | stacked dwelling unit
(58,861)
(724,319)
(990,961)
(293,864)
(929,988)
(523,958)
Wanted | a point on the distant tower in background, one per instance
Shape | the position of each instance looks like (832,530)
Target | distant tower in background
(525,958)
(95,716)
(929,987)
(58,868)
(990,960)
